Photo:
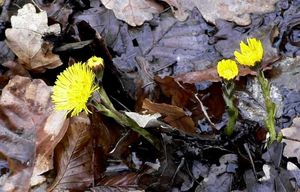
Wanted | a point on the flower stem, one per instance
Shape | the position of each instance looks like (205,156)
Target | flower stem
(270,106)
(232,111)
(106,108)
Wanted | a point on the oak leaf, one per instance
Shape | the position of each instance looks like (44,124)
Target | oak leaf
(25,39)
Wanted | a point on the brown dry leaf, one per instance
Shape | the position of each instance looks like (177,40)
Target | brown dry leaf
(180,8)
(210,74)
(207,103)
(30,129)
(231,10)
(112,189)
(25,39)
(73,157)
(120,180)
(173,115)
(133,12)
(292,148)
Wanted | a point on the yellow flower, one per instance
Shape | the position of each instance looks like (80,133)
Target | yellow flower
(250,54)
(227,69)
(72,89)
(95,62)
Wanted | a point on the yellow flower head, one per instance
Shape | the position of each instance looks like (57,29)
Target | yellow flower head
(250,54)
(227,69)
(72,89)
(95,62)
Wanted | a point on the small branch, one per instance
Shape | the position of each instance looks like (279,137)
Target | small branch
(204,111)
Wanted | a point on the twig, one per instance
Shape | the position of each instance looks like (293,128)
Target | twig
(177,170)
(251,160)
(204,111)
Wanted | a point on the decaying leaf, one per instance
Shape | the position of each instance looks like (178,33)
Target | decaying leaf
(113,189)
(134,12)
(144,120)
(74,157)
(121,180)
(274,179)
(210,74)
(25,39)
(292,134)
(180,8)
(219,177)
(30,128)
(231,10)
(173,115)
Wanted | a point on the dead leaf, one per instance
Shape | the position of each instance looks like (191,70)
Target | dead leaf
(180,8)
(29,130)
(25,39)
(219,178)
(207,103)
(6,54)
(230,10)
(15,69)
(173,115)
(144,121)
(210,74)
(58,10)
(291,138)
(121,180)
(73,157)
(113,189)
(133,12)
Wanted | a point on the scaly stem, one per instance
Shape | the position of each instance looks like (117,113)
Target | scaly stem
(270,106)
(228,91)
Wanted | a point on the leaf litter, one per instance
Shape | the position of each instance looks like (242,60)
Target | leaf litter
(161,55)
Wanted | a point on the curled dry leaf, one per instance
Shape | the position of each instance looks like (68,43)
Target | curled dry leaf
(26,118)
(73,157)
(133,12)
(210,74)
(25,39)
(292,135)
(173,115)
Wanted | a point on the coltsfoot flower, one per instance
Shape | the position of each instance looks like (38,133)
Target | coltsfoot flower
(73,88)
(250,54)
(227,69)
(95,62)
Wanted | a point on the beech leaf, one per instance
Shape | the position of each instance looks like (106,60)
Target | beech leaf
(29,129)
(73,157)
(173,115)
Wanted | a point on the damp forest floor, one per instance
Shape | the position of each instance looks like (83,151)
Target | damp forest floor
(160,61)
